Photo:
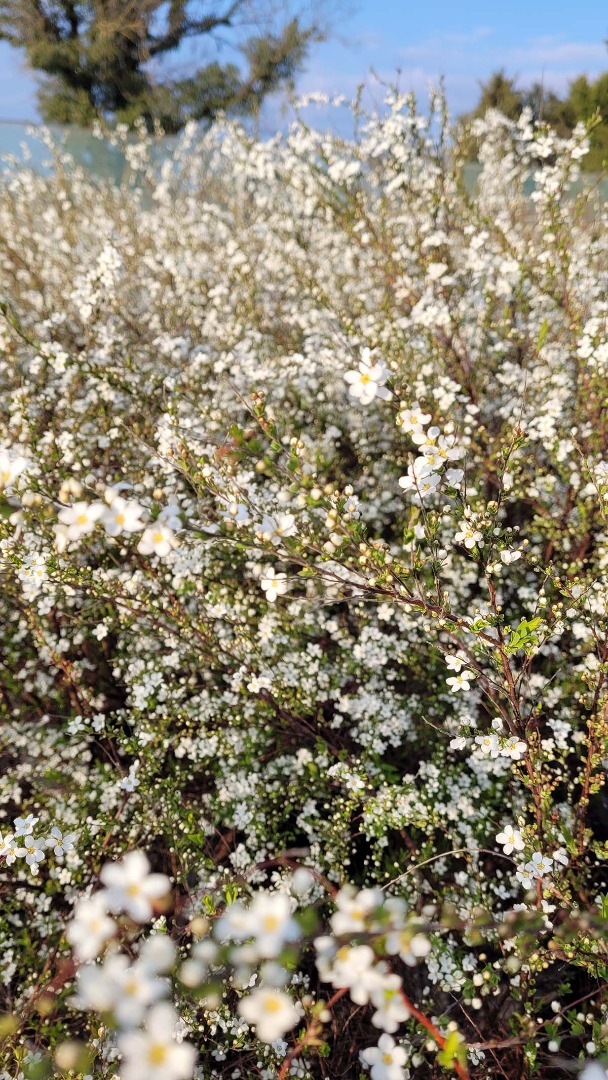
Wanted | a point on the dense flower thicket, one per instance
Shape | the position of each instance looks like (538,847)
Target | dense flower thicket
(304,556)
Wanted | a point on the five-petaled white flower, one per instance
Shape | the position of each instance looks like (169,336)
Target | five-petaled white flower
(275,529)
(510,839)
(155,1053)
(59,842)
(130,886)
(34,851)
(387,1060)
(157,540)
(488,745)
(79,519)
(23,826)
(468,535)
(11,466)
(9,850)
(274,584)
(514,748)
(461,681)
(122,515)
(539,865)
(366,381)
(91,927)
(271,1011)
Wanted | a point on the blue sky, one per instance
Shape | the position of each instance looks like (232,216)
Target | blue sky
(464,40)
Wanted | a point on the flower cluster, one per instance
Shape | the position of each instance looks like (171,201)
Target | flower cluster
(304,559)
(20,843)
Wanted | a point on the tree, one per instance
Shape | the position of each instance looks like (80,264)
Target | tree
(585,102)
(98,56)
(501,93)
(548,108)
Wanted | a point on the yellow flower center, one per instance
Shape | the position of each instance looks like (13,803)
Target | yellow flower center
(272,1005)
(157,1054)
(271,922)
(365,379)
(81,519)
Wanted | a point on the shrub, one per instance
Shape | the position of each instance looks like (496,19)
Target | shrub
(304,470)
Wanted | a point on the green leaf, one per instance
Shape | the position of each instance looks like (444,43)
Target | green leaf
(544,330)
(454,1051)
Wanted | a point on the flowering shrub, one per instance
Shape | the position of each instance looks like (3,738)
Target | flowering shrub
(303,479)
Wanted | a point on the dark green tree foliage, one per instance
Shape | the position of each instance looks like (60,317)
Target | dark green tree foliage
(501,93)
(98,56)
(586,100)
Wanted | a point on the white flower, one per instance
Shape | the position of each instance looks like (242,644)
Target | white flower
(513,748)
(60,843)
(354,909)
(425,465)
(366,382)
(453,662)
(524,877)
(275,529)
(234,924)
(510,839)
(122,515)
(386,1059)
(91,927)
(469,536)
(154,1053)
(436,270)
(157,540)
(11,466)
(236,512)
(259,682)
(130,886)
(117,985)
(137,987)
(454,477)
(274,584)
(410,945)
(354,967)
(271,1011)
(271,923)
(462,681)
(34,850)
(9,850)
(80,519)
(391,1010)
(508,557)
(413,419)
(22,826)
(593,1071)
(170,516)
(458,743)
(268,920)
(96,983)
(488,744)
(426,438)
(539,865)
(157,952)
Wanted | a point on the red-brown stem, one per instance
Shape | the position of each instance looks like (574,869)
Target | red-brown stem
(459,1069)
(308,1035)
